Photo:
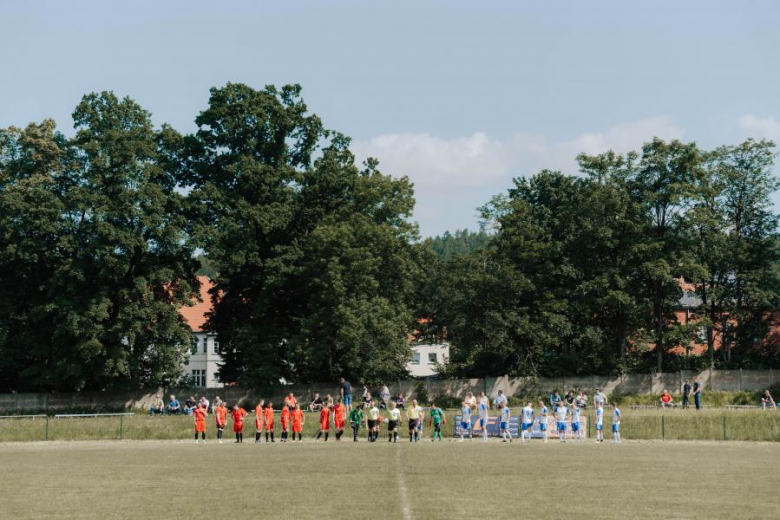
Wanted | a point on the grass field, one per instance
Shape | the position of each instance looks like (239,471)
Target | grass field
(164,479)
(711,424)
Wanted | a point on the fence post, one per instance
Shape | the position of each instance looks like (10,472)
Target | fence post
(120,426)
(740,379)
(663,427)
(46,432)
(724,427)
(588,425)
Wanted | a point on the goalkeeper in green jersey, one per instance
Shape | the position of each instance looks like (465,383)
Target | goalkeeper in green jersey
(356,419)
(437,419)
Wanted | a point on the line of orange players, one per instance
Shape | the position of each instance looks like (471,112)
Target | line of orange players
(291,415)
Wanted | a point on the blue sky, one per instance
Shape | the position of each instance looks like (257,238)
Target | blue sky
(459,96)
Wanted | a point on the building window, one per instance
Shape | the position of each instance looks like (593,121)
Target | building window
(701,335)
(415,358)
(215,347)
(199,378)
(432,359)
(194,346)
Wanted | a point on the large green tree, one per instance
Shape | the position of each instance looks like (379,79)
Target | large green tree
(314,255)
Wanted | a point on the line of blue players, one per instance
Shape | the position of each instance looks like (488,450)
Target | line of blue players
(561,412)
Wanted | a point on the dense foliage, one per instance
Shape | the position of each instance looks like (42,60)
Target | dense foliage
(583,273)
(319,270)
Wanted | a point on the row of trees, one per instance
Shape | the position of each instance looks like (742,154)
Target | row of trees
(582,274)
(320,271)
(316,258)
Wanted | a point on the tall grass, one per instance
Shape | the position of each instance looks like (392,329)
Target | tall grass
(744,425)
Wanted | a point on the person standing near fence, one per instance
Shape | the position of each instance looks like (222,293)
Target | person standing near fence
(697,387)
(298,420)
(268,421)
(220,412)
(686,391)
(616,423)
(346,393)
(356,419)
(259,420)
(238,415)
(599,422)
(200,414)
(543,411)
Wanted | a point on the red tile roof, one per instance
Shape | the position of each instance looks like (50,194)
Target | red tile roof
(195,316)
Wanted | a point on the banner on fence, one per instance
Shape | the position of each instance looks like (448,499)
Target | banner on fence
(493,429)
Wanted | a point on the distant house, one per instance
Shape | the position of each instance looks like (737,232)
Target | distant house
(426,357)
(204,359)
(688,312)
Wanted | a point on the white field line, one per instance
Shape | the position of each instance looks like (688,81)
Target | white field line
(402,493)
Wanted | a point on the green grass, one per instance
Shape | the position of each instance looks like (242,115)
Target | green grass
(97,480)
(676,424)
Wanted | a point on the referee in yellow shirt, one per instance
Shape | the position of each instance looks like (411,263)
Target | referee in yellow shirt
(414,416)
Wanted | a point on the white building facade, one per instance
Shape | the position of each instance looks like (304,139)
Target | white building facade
(203,363)
(426,357)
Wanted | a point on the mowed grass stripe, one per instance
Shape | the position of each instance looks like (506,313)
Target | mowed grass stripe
(441,480)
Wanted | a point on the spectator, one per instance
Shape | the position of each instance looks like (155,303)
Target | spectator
(686,389)
(366,396)
(290,401)
(399,401)
(767,401)
(555,398)
(501,400)
(471,400)
(216,403)
(346,393)
(569,397)
(189,405)
(599,398)
(157,406)
(483,398)
(384,397)
(316,403)
(329,401)
(697,387)
(582,400)
(666,399)
(204,402)
(174,408)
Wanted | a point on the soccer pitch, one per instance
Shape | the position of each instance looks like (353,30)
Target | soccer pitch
(169,479)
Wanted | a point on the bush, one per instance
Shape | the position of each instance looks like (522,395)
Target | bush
(421,393)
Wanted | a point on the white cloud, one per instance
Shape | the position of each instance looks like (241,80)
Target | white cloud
(452,173)
(767,128)
(478,160)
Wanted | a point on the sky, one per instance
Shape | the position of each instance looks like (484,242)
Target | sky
(461,97)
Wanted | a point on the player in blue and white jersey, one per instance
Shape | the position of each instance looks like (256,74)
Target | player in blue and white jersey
(482,408)
(465,420)
(543,412)
(561,412)
(575,423)
(599,422)
(615,423)
(503,424)
(526,422)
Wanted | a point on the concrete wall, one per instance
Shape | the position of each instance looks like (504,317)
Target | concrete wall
(750,380)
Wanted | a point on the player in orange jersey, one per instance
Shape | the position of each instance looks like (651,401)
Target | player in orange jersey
(285,422)
(324,422)
(268,421)
(238,415)
(339,418)
(200,414)
(220,413)
(259,420)
(298,421)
